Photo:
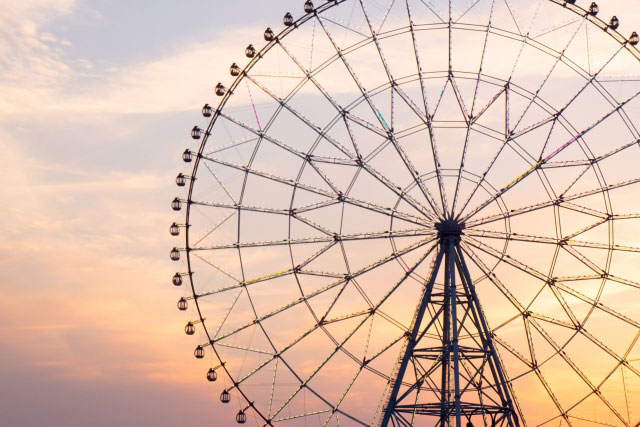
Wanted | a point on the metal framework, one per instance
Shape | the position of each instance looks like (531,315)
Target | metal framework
(374,155)
(467,379)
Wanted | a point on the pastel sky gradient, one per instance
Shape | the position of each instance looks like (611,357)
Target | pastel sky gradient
(97,102)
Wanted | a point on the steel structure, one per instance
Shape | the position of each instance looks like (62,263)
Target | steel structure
(402,213)
(468,380)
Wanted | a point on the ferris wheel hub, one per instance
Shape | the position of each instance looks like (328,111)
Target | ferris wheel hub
(450,228)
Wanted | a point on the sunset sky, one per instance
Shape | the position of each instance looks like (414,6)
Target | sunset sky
(97,102)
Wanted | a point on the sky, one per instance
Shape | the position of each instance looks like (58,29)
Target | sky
(97,102)
(98,99)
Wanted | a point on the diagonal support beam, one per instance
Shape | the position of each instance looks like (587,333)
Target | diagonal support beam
(466,380)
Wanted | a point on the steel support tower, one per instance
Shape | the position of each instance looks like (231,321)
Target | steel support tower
(449,373)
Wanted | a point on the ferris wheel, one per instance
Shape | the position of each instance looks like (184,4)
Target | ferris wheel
(420,213)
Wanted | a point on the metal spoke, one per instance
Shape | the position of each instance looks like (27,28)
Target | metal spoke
(549,240)
(351,333)
(553,154)
(431,9)
(311,240)
(375,111)
(542,205)
(347,114)
(323,289)
(286,105)
(470,117)
(428,117)
(554,282)
(548,75)
(333,196)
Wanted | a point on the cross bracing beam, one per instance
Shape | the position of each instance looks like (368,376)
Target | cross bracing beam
(456,378)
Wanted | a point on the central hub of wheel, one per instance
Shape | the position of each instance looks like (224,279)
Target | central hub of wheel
(450,229)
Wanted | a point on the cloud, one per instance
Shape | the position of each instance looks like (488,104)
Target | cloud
(177,82)
(35,75)
(31,67)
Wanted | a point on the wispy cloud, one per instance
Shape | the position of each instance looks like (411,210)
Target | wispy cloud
(32,65)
